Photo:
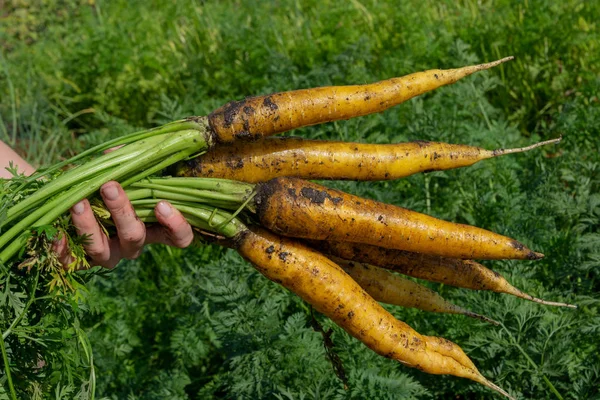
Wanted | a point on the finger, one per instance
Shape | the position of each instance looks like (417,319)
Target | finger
(174,229)
(131,231)
(97,246)
(115,253)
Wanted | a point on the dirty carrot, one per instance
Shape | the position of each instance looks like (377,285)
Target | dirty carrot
(260,116)
(319,159)
(231,195)
(387,287)
(298,208)
(466,274)
(324,285)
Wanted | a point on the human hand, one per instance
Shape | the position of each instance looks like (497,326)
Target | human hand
(132,234)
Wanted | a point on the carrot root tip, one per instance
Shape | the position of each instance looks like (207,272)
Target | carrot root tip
(505,59)
(497,388)
(494,63)
(483,318)
(522,295)
(552,303)
(535,255)
(501,152)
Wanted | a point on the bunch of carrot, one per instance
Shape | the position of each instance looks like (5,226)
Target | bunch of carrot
(333,249)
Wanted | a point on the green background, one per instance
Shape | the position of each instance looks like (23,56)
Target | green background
(200,322)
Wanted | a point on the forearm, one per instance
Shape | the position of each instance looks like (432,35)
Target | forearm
(8,155)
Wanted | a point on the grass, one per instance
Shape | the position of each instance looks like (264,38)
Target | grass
(202,323)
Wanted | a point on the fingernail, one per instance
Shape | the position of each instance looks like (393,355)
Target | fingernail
(110,192)
(164,209)
(78,208)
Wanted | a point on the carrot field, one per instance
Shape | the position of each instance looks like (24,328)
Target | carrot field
(200,322)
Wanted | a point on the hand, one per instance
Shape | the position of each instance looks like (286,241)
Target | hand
(132,234)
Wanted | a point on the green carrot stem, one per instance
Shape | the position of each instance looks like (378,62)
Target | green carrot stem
(174,126)
(223,223)
(143,194)
(217,184)
(150,201)
(146,215)
(124,155)
(155,168)
(137,196)
(199,124)
(186,143)
(217,194)
(138,142)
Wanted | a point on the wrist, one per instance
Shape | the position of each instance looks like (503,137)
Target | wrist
(8,156)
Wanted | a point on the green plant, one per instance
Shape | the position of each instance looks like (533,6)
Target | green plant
(200,323)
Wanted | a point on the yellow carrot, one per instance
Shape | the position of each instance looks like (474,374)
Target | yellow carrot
(466,274)
(390,288)
(298,208)
(324,285)
(256,117)
(318,159)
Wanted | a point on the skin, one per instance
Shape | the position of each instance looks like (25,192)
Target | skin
(319,159)
(261,116)
(7,155)
(324,285)
(298,208)
(132,234)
